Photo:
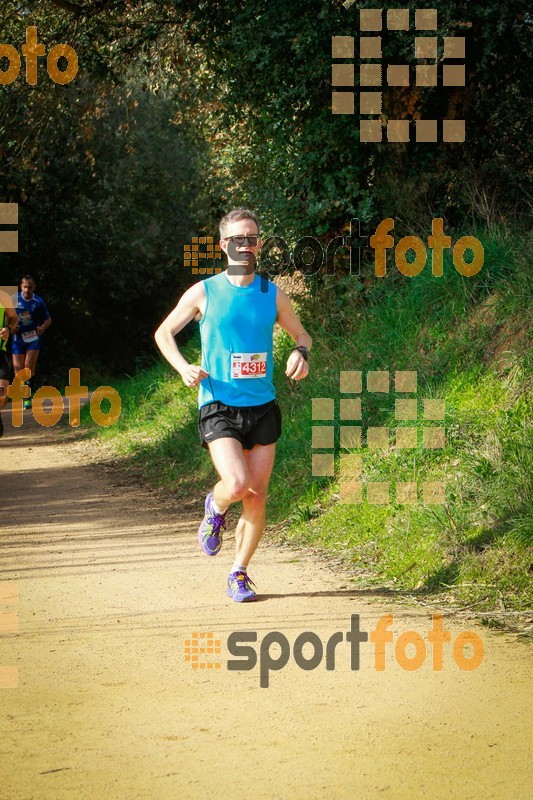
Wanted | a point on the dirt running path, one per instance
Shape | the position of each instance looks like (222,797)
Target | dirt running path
(110,586)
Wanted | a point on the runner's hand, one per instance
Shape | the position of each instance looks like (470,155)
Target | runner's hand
(4,333)
(297,366)
(192,375)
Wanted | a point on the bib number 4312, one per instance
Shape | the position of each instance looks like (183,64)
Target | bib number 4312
(248,365)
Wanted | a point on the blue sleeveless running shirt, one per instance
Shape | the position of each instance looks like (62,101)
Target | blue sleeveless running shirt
(236,332)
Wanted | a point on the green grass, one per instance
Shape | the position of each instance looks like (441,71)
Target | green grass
(467,340)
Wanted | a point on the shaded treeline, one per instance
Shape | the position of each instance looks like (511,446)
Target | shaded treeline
(181,110)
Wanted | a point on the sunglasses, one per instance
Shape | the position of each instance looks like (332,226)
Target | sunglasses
(240,240)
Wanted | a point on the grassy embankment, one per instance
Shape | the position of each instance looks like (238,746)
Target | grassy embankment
(467,338)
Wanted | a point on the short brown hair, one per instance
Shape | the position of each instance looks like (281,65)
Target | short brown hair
(234,216)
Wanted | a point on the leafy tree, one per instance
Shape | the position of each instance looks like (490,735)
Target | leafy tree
(182,109)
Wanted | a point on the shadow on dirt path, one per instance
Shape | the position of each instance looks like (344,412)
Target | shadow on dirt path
(111,586)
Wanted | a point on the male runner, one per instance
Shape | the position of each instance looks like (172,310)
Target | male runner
(33,320)
(239,417)
(8,323)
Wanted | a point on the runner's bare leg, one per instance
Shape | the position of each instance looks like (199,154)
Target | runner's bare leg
(228,459)
(244,475)
(251,525)
(29,360)
(18,362)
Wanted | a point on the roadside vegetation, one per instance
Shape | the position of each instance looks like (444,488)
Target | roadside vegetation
(184,109)
(468,341)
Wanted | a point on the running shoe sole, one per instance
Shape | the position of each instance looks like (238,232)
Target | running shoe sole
(241,599)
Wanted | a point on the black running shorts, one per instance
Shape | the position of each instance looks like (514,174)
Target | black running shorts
(250,425)
(4,366)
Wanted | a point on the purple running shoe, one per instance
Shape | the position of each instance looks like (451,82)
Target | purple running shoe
(209,532)
(240,587)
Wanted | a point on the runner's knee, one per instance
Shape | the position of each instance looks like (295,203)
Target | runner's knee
(256,495)
(236,486)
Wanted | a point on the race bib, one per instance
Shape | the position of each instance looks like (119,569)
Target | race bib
(29,336)
(248,365)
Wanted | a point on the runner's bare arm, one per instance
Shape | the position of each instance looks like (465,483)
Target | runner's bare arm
(297,366)
(12,318)
(46,324)
(12,322)
(190,306)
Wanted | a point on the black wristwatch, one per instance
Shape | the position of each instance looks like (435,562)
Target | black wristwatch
(303,350)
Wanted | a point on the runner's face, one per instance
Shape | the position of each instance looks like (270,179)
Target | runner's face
(242,255)
(27,288)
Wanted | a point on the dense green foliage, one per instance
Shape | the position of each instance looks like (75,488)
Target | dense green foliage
(182,109)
